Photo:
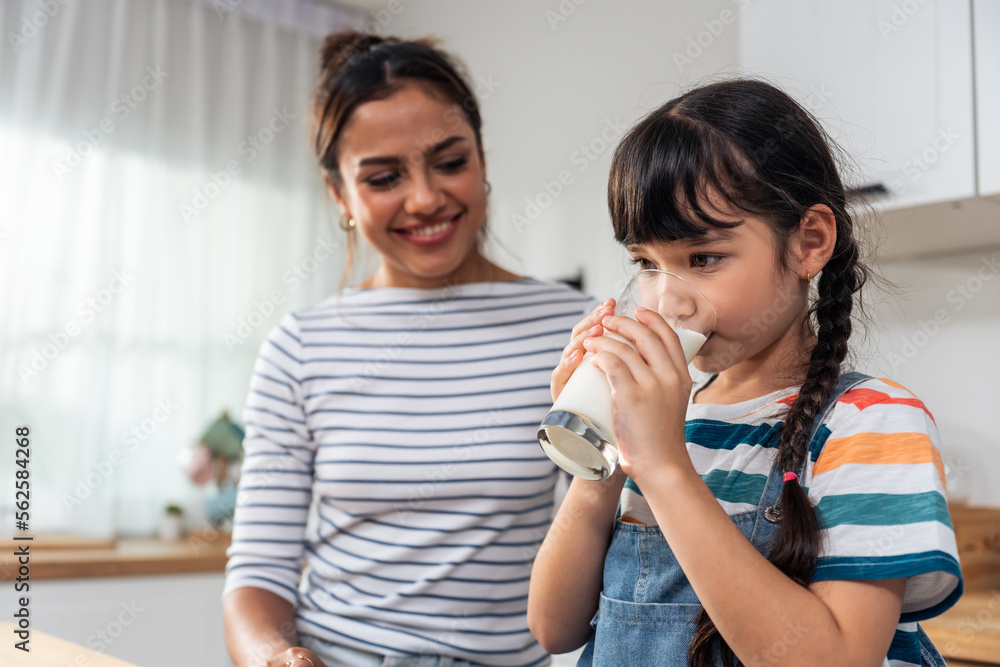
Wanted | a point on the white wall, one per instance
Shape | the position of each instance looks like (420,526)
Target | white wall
(940,341)
(567,73)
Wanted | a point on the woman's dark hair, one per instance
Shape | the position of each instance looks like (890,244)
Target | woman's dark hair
(355,68)
(750,145)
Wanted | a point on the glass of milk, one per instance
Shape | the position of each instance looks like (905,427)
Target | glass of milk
(578,433)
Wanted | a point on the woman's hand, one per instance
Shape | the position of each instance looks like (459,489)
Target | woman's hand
(587,327)
(650,389)
(260,630)
(295,657)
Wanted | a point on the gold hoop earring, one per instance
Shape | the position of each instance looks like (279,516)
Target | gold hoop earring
(347,224)
(808,277)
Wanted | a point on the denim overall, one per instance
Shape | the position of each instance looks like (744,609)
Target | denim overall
(648,611)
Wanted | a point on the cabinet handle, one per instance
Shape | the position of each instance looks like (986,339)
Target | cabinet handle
(869,191)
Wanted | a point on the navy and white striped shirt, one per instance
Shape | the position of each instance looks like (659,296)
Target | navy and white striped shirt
(406,419)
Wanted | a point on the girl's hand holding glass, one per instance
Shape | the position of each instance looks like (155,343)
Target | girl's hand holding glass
(579,433)
(650,385)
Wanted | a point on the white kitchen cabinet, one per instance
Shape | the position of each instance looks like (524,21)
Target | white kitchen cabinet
(986,24)
(891,80)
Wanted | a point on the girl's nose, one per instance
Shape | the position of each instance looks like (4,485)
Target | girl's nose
(424,197)
(676,303)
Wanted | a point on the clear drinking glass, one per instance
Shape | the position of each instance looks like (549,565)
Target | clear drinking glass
(578,433)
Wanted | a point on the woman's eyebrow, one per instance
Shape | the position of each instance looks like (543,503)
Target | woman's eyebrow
(396,159)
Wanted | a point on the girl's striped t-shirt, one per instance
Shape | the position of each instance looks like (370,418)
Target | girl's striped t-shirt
(391,450)
(874,474)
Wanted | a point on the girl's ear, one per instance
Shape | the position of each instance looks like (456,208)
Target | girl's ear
(816,239)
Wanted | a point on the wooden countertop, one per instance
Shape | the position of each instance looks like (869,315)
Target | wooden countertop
(970,630)
(48,651)
(58,557)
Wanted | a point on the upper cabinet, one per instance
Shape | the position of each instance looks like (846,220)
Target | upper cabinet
(986,24)
(892,82)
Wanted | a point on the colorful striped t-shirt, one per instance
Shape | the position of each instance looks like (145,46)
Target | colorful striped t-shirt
(874,474)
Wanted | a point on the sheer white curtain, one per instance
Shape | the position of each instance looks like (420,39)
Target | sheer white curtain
(159,212)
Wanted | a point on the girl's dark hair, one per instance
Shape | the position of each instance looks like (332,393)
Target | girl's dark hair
(355,68)
(750,145)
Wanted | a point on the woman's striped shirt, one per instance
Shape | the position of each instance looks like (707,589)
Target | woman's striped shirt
(874,474)
(391,450)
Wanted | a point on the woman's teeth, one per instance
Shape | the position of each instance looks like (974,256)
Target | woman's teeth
(430,230)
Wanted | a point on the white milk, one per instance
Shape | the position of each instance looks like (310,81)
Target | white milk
(588,394)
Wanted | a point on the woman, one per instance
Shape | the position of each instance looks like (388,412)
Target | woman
(403,411)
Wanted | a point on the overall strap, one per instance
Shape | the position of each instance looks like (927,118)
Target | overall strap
(846,382)
(768,516)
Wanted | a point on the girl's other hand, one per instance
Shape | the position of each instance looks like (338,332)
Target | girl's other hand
(573,353)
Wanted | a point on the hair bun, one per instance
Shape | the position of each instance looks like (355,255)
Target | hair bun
(338,48)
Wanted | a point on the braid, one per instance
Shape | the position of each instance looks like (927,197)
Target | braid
(797,547)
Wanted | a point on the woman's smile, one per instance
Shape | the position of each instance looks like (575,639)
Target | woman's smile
(432,232)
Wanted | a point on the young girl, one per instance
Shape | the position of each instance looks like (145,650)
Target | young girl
(786,511)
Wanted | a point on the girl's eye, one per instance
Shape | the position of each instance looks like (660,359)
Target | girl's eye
(642,263)
(701,261)
(453,165)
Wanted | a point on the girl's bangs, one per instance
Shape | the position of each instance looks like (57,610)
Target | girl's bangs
(668,153)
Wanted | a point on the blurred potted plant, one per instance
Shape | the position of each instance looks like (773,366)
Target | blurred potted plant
(172,523)
(215,461)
